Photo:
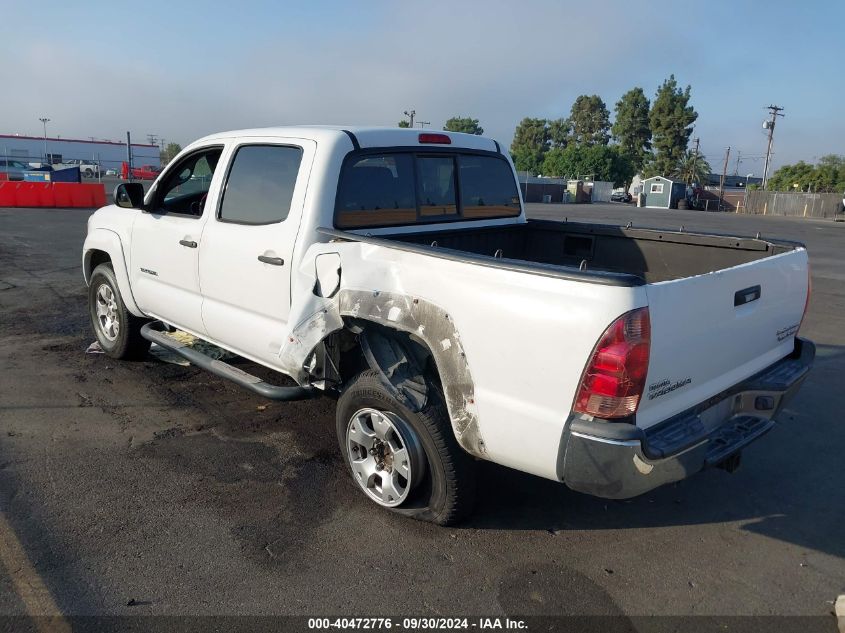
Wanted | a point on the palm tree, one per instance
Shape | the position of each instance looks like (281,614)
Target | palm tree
(693,168)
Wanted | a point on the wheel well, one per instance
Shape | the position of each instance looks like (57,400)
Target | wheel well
(95,258)
(404,361)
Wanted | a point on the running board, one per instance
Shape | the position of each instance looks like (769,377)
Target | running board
(153,331)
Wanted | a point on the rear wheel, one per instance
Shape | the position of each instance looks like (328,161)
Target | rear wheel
(406,461)
(118,331)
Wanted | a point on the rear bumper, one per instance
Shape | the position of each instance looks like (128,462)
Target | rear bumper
(617,460)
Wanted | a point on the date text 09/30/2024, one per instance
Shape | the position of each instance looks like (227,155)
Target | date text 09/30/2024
(415,624)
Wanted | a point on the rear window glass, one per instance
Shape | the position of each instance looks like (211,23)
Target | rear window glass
(406,188)
(436,176)
(377,190)
(487,188)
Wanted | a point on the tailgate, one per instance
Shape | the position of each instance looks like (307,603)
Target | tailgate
(712,331)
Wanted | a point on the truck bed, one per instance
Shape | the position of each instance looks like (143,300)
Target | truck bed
(650,254)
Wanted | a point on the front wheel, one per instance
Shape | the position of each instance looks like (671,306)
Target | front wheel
(118,331)
(406,461)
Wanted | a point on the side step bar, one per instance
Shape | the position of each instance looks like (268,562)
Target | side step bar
(154,331)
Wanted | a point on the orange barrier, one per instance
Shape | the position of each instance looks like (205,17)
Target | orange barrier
(52,194)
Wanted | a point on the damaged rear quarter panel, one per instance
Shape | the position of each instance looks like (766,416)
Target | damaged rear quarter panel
(509,346)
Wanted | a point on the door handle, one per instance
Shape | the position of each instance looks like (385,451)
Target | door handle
(275,261)
(188,243)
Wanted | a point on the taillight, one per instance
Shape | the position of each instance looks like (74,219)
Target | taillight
(614,379)
(809,292)
(438,139)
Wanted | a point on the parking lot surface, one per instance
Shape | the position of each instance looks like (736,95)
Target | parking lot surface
(138,488)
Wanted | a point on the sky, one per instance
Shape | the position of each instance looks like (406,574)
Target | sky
(181,70)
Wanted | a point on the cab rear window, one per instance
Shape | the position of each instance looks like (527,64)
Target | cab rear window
(398,188)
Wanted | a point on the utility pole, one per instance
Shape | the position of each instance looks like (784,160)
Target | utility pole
(411,115)
(152,139)
(722,179)
(129,156)
(738,161)
(774,113)
(694,160)
(44,121)
(422,124)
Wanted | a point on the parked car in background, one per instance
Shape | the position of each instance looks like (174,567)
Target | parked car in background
(620,196)
(87,169)
(146,172)
(13,169)
(40,167)
(112,172)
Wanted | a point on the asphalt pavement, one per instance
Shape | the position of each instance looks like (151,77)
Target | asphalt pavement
(144,488)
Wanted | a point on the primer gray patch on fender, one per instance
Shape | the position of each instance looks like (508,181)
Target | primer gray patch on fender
(426,321)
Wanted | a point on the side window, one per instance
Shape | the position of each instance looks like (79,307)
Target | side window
(437,185)
(376,191)
(260,185)
(488,189)
(185,188)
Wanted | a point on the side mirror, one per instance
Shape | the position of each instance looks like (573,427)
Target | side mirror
(129,195)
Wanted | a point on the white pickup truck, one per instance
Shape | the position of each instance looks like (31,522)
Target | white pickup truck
(396,270)
(87,168)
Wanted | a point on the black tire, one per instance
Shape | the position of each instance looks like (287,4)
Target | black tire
(88,173)
(127,342)
(446,493)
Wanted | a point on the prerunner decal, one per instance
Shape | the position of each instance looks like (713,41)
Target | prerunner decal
(657,389)
(787,331)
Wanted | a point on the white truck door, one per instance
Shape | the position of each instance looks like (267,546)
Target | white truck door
(245,256)
(164,255)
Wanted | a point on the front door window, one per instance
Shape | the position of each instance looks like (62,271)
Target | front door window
(185,187)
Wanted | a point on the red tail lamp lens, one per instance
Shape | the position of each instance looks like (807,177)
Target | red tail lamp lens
(614,379)
(809,292)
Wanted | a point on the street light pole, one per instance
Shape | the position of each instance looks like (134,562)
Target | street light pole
(44,121)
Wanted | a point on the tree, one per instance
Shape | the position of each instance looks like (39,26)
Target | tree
(795,177)
(560,132)
(590,121)
(693,168)
(671,118)
(631,128)
(828,176)
(467,125)
(602,162)
(404,123)
(530,143)
(169,152)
